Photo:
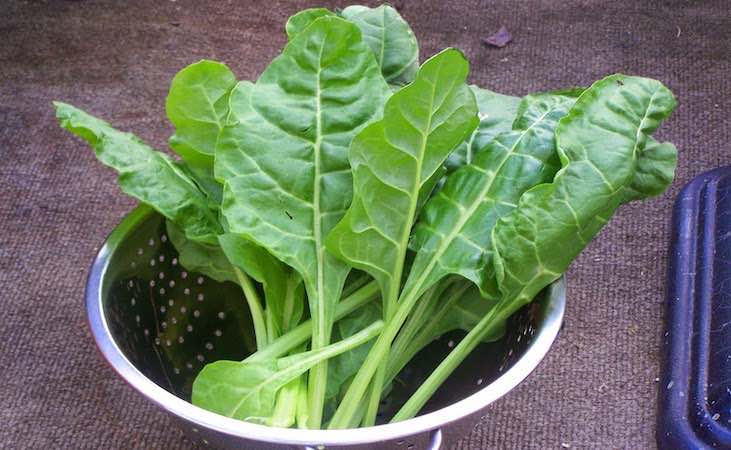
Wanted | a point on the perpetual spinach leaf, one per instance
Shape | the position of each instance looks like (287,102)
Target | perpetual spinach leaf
(248,390)
(391,40)
(284,161)
(392,160)
(655,171)
(198,105)
(297,23)
(497,113)
(454,229)
(206,259)
(600,143)
(149,176)
(282,287)
(386,33)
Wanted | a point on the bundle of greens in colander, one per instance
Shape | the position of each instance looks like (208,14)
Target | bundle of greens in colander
(348,172)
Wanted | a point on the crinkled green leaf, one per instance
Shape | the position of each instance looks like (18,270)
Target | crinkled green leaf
(390,38)
(393,158)
(453,232)
(197,104)
(206,259)
(497,113)
(284,163)
(248,390)
(282,287)
(297,23)
(149,176)
(655,171)
(600,143)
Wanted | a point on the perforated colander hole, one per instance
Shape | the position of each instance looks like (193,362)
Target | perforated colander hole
(200,357)
(171,302)
(199,280)
(174,261)
(174,320)
(163,309)
(162,291)
(450,344)
(189,366)
(209,346)
(168,343)
(186,291)
(131,283)
(410,446)
(205,442)
(218,333)
(161,258)
(132,301)
(137,319)
(189,328)
(183,309)
(221,315)
(140,251)
(151,242)
(196,313)
(133,264)
(184,274)
(164,325)
(400,442)
(201,297)
(161,275)
(181,339)
(146,331)
(152,262)
(157,341)
(171,283)
(152,283)
(479,381)
(163,238)
(176,371)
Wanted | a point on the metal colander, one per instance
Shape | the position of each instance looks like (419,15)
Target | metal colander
(158,325)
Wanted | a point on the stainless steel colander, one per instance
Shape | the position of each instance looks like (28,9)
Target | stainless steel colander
(158,325)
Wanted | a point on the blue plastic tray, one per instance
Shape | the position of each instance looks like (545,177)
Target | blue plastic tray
(695,387)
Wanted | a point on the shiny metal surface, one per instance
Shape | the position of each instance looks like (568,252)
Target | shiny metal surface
(158,325)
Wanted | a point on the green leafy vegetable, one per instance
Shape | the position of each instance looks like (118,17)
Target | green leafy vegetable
(197,105)
(391,40)
(308,105)
(247,390)
(600,143)
(497,113)
(462,204)
(392,160)
(150,176)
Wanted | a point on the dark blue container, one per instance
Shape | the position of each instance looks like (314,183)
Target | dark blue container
(695,387)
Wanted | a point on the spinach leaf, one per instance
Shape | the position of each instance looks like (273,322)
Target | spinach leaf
(297,23)
(247,390)
(497,113)
(392,160)
(453,233)
(150,176)
(600,143)
(206,259)
(282,287)
(197,104)
(391,40)
(305,109)
(536,242)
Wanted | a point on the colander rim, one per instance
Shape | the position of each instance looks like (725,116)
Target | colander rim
(439,419)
